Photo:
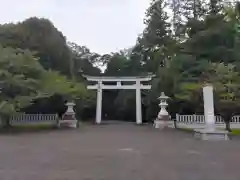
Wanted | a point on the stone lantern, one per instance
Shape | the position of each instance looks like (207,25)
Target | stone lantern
(69,118)
(163,117)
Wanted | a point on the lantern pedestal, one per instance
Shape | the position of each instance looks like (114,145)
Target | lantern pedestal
(69,119)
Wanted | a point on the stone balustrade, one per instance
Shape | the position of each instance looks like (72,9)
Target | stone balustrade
(33,119)
(198,121)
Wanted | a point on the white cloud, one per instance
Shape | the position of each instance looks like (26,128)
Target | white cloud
(102,25)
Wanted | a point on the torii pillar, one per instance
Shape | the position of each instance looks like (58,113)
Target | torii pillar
(138,103)
(99,103)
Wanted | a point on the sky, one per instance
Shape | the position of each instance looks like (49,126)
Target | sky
(104,26)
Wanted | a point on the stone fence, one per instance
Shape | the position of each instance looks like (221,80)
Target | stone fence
(198,121)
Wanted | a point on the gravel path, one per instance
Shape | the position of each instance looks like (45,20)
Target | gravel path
(116,152)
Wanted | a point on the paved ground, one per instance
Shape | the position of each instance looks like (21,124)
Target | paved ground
(116,152)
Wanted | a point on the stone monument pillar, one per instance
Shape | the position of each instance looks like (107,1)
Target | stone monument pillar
(210,132)
(163,117)
(208,108)
(69,119)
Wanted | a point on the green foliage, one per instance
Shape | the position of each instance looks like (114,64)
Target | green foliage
(226,82)
(30,53)
(125,103)
(186,91)
(41,37)
(205,37)
(19,76)
(117,65)
(23,80)
(83,61)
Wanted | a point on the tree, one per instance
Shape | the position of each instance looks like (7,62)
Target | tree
(226,83)
(20,73)
(24,80)
(83,61)
(232,16)
(116,65)
(39,36)
(215,6)
(157,36)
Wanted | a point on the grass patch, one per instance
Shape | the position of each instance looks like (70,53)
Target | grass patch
(27,128)
(236,132)
(34,126)
(185,130)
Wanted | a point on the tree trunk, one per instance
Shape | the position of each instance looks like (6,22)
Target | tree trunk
(228,128)
(227,116)
(175,123)
(6,120)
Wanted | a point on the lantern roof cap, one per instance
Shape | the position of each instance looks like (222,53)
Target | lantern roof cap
(70,103)
(163,96)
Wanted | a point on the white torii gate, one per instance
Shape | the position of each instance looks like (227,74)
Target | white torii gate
(99,86)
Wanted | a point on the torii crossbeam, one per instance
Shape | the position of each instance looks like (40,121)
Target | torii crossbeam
(99,86)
